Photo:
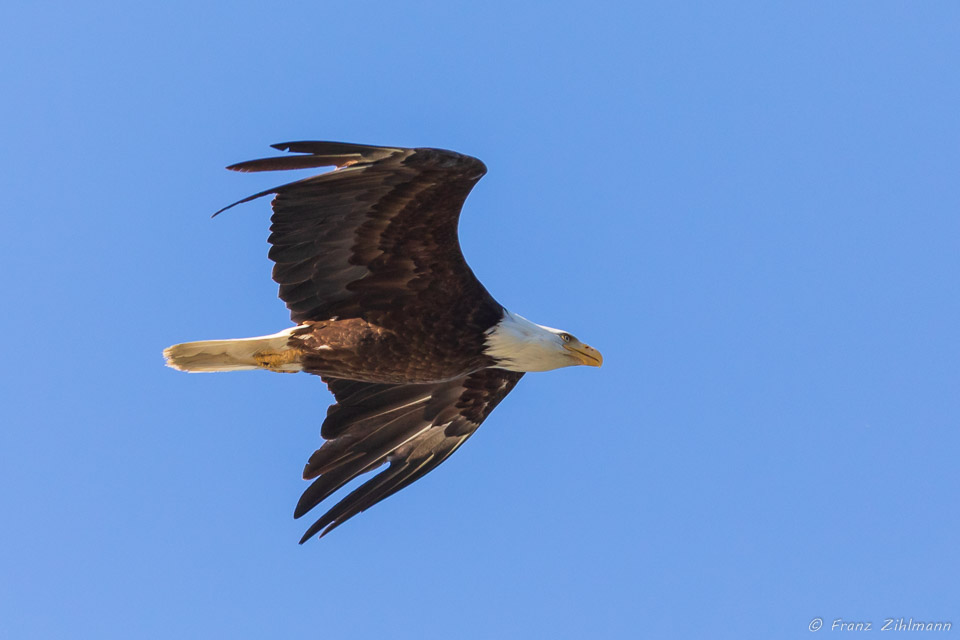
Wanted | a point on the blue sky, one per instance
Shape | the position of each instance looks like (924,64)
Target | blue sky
(750,208)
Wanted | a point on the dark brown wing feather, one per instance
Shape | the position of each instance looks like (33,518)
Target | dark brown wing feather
(413,427)
(375,238)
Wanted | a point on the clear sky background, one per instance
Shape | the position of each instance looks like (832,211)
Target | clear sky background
(751,208)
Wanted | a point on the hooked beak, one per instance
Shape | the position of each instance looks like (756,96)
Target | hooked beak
(584,354)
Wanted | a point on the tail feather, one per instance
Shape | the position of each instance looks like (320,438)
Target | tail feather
(264,352)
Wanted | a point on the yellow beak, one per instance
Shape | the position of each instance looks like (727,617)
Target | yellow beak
(584,354)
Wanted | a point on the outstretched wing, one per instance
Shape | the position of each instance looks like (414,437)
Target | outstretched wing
(376,237)
(413,427)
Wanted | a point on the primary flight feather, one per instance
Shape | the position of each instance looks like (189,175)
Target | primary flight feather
(387,313)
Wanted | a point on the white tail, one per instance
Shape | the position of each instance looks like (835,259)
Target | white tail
(264,352)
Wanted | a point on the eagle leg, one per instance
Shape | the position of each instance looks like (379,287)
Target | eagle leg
(282,361)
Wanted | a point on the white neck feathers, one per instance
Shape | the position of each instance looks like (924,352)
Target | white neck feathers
(520,345)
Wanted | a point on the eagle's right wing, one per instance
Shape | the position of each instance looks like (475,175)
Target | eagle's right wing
(413,427)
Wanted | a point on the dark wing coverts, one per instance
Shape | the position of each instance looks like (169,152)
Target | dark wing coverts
(377,239)
(414,427)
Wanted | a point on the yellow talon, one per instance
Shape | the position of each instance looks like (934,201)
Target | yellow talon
(279,361)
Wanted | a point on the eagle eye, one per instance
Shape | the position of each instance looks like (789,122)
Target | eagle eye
(566,337)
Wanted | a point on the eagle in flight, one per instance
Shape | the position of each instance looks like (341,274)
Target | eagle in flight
(388,314)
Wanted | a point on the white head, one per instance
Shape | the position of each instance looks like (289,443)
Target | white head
(520,345)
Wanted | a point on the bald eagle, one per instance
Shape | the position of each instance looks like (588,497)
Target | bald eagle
(388,314)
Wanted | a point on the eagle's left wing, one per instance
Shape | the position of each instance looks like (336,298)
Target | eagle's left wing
(414,427)
(376,238)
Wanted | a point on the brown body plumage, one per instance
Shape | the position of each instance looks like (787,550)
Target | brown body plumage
(357,349)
